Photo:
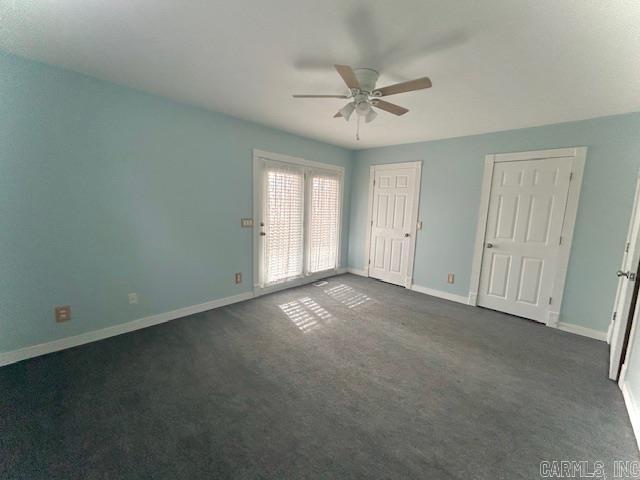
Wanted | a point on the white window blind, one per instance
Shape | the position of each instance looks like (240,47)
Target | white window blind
(284,223)
(324,215)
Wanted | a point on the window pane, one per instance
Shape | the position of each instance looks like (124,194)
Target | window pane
(323,224)
(284,223)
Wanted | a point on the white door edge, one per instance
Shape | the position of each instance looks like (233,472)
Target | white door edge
(616,333)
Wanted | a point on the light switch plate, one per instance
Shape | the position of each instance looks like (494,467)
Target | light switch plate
(246,222)
(62,313)
(419,225)
(450,278)
(238,277)
(133,298)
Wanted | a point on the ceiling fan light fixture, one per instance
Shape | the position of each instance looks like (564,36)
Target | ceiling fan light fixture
(347,110)
(371,116)
(363,108)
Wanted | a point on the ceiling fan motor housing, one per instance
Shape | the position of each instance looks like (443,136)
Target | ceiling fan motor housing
(367,78)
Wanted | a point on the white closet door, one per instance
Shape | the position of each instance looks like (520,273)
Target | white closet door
(324,219)
(283,223)
(526,212)
(395,201)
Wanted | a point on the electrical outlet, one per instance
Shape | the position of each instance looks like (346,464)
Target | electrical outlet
(133,298)
(238,277)
(62,313)
(450,278)
(246,222)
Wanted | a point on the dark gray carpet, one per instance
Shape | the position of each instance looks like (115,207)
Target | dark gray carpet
(352,379)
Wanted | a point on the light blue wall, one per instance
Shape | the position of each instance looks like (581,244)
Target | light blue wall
(105,190)
(451,181)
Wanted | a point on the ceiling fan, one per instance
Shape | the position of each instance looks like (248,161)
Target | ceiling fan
(365,95)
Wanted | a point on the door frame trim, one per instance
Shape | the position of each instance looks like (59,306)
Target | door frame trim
(414,228)
(578,155)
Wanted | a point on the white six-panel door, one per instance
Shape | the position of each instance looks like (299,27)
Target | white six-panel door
(527,206)
(393,218)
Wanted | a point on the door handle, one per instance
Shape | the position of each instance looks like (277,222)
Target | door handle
(630,275)
(489,245)
(407,235)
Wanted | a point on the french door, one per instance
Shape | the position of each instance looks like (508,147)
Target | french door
(299,211)
(282,225)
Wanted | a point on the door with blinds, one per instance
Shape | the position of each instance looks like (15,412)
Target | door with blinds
(324,218)
(283,223)
(299,215)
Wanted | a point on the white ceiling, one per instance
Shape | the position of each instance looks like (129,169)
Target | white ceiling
(495,64)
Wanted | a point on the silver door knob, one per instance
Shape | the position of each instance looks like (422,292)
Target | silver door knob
(407,235)
(489,245)
(630,275)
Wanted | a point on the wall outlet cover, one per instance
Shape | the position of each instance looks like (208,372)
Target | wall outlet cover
(246,222)
(450,278)
(238,277)
(133,298)
(62,313)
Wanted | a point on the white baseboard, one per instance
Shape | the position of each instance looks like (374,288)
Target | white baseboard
(584,331)
(440,294)
(417,288)
(358,271)
(632,409)
(14,356)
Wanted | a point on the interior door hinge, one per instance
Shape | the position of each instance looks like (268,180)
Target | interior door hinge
(560,241)
(570,176)
(374,182)
(626,248)
(550,300)
(615,314)
(369,262)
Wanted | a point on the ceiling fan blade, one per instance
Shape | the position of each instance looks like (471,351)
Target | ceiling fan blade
(320,96)
(389,107)
(337,115)
(348,75)
(411,85)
